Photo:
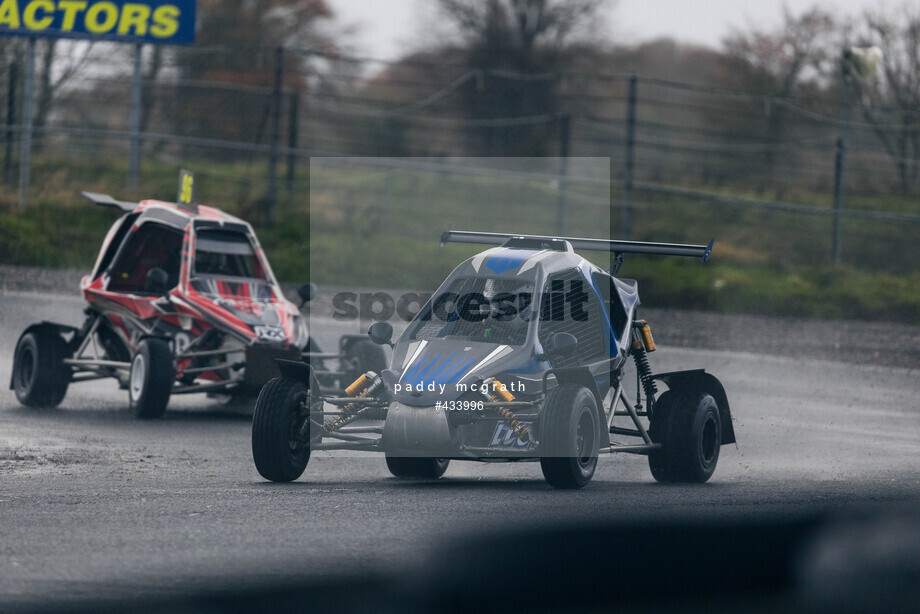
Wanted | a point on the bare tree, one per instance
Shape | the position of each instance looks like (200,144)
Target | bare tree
(58,62)
(149,84)
(249,23)
(779,60)
(519,36)
(55,71)
(521,25)
(780,63)
(890,96)
(227,77)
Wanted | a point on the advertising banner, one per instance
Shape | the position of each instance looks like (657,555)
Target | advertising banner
(141,21)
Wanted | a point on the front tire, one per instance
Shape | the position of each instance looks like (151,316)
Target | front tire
(280,451)
(689,427)
(151,380)
(569,437)
(417,468)
(40,377)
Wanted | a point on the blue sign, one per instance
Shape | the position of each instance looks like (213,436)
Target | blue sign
(142,21)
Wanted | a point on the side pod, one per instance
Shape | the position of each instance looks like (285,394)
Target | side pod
(700,381)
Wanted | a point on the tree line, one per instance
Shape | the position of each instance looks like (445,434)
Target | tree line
(503,76)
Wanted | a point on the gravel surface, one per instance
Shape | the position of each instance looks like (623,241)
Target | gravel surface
(95,504)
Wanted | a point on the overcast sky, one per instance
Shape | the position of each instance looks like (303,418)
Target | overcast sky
(386,28)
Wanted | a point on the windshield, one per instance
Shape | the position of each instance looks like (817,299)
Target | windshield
(483,309)
(220,253)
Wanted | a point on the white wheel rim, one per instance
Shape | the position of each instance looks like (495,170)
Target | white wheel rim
(137,377)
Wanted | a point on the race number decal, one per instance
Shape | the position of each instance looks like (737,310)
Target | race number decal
(180,342)
(186,188)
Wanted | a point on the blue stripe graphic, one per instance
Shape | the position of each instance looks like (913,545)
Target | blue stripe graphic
(430,366)
(457,375)
(434,370)
(415,368)
(435,375)
(500,265)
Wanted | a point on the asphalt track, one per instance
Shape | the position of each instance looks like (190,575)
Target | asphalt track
(95,504)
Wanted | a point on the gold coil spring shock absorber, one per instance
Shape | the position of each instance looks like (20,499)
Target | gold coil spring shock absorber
(496,391)
(365,387)
(642,343)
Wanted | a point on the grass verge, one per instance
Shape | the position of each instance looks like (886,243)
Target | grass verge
(352,244)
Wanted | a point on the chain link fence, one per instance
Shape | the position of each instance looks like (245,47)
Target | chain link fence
(686,161)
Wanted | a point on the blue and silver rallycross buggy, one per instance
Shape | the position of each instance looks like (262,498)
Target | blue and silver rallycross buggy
(518,356)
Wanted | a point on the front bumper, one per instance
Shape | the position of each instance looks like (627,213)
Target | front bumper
(417,431)
(427,432)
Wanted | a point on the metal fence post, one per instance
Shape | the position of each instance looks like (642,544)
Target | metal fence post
(134,160)
(28,104)
(275,138)
(840,159)
(388,201)
(630,156)
(10,122)
(565,122)
(293,127)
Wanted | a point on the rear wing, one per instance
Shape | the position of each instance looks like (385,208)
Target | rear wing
(185,200)
(602,245)
(107,201)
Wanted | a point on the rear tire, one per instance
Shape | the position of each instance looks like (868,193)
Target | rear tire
(366,356)
(569,437)
(417,468)
(40,377)
(658,461)
(279,454)
(688,426)
(151,379)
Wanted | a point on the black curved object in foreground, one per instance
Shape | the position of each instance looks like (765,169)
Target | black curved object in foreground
(816,562)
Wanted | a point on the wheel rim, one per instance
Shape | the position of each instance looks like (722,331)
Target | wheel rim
(709,444)
(584,439)
(27,367)
(136,387)
(294,443)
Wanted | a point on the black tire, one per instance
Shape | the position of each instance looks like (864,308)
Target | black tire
(688,425)
(658,460)
(40,377)
(569,437)
(366,356)
(151,379)
(279,454)
(417,468)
